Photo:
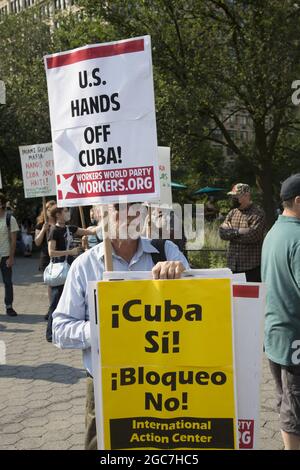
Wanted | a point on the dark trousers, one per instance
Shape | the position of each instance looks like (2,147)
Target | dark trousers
(55,296)
(7,280)
(90,441)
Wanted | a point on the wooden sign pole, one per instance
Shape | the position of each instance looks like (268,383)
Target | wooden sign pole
(148,227)
(82,218)
(44,209)
(106,240)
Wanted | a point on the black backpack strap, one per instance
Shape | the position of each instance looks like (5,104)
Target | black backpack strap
(160,246)
(8,219)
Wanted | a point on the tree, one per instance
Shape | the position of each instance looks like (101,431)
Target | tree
(209,55)
(24,119)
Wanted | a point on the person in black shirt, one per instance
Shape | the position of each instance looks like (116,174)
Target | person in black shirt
(42,230)
(61,247)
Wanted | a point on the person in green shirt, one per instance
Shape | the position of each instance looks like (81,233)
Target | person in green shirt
(281,273)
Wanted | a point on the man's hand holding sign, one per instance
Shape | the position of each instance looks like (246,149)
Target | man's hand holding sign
(168,270)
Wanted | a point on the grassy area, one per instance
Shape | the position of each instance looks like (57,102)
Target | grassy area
(203,259)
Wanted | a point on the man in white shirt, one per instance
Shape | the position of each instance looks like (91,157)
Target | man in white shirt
(8,240)
(71,325)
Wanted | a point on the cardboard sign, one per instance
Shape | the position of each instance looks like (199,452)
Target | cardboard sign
(180,381)
(248,301)
(38,170)
(102,113)
(248,307)
(164,165)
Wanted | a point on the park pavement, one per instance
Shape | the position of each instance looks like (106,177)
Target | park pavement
(42,388)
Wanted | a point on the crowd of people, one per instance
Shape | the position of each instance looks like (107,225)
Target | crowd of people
(272,257)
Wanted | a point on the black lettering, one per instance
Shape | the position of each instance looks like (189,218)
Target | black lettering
(151,401)
(127,376)
(186,380)
(111,155)
(97,78)
(81,155)
(84,107)
(172,404)
(202,378)
(152,378)
(89,135)
(104,103)
(126,310)
(195,314)
(169,379)
(150,335)
(168,311)
(218,378)
(75,108)
(83,80)
(100,158)
(115,102)
(156,316)
(94,105)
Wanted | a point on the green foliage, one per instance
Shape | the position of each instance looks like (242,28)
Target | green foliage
(213,253)
(212,54)
(207,56)
(24,119)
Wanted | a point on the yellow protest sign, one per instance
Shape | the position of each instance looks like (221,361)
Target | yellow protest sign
(167,372)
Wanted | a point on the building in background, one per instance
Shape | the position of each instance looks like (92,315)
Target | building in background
(239,125)
(48,7)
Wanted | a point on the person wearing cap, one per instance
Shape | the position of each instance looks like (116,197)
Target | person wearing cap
(281,273)
(244,228)
(130,252)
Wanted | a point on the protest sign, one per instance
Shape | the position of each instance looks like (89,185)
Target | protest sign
(248,308)
(164,165)
(37,170)
(248,301)
(181,383)
(102,113)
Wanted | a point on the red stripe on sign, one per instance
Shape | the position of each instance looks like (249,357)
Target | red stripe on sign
(95,53)
(251,292)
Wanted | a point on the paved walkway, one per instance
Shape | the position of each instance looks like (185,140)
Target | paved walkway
(42,389)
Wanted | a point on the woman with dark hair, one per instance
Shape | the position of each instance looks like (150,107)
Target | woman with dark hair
(60,247)
(42,230)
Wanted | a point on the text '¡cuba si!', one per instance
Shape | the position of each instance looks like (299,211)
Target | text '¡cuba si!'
(95,137)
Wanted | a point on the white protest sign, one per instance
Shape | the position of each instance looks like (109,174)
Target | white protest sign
(248,310)
(38,170)
(102,113)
